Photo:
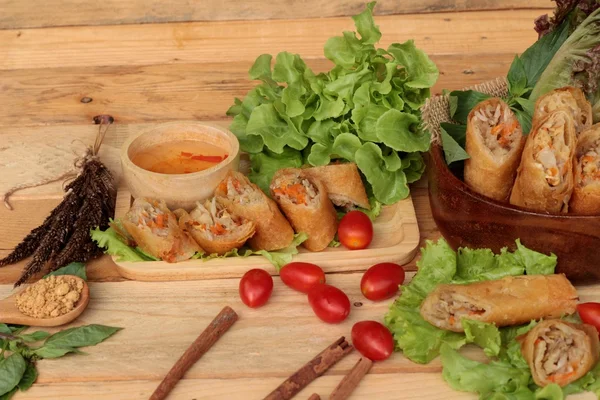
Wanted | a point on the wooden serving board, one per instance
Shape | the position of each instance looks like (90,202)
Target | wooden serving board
(395,239)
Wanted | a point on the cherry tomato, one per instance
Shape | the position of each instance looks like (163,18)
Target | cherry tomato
(256,287)
(302,276)
(381,281)
(372,340)
(590,314)
(355,230)
(329,303)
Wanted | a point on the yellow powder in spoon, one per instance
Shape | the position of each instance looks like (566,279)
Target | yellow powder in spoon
(50,297)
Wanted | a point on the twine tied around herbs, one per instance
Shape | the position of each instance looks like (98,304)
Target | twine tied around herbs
(104,121)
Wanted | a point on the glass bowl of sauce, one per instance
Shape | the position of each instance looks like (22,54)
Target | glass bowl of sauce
(180,162)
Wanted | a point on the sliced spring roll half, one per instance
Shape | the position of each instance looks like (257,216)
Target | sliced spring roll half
(214,228)
(568,98)
(508,301)
(245,199)
(305,203)
(586,191)
(494,143)
(156,231)
(560,352)
(545,176)
(344,186)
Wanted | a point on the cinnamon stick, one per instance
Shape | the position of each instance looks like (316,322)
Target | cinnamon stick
(197,349)
(314,396)
(311,370)
(351,380)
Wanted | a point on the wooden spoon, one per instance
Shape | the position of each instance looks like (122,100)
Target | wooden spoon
(10,314)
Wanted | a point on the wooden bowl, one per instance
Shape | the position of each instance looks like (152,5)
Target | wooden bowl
(178,190)
(468,219)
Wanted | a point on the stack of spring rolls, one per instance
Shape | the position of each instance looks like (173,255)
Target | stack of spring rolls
(556,351)
(556,168)
(241,213)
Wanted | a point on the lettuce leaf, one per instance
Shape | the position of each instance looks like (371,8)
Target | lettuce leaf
(576,63)
(365,109)
(421,341)
(484,335)
(113,244)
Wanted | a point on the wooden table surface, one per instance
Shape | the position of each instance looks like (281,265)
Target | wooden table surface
(149,61)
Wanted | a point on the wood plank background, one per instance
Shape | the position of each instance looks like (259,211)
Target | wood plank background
(45,13)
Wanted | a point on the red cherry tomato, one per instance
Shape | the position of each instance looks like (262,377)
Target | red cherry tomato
(372,340)
(302,276)
(590,314)
(355,230)
(381,281)
(329,303)
(256,287)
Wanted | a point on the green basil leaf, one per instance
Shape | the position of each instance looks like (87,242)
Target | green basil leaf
(466,101)
(9,395)
(75,268)
(29,377)
(11,372)
(81,336)
(452,150)
(49,352)
(458,132)
(453,104)
(5,329)
(34,337)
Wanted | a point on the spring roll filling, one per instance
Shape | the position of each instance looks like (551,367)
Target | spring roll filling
(558,353)
(238,191)
(153,218)
(297,190)
(551,151)
(497,129)
(452,308)
(213,219)
(590,165)
(564,101)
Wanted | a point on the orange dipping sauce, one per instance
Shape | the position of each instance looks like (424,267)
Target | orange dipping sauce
(179,157)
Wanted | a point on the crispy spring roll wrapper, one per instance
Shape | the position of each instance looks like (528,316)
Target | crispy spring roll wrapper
(568,98)
(560,352)
(508,301)
(305,203)
(494,142)
(545,176)
(246,200)
(344,186)
(586,191)
(214,228)
(156,231)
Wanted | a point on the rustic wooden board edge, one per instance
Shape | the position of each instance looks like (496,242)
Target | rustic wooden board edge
(332,260)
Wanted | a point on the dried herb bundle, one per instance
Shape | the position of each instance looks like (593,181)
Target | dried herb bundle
(64,236)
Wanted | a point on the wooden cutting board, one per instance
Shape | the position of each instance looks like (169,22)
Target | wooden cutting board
(395,239)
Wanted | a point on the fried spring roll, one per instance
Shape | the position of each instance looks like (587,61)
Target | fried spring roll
(494,142)
(305,203)
(245,199)
(545,176)
(344,186)
(214,228)
(586,191)
(568,98)
(508,301)
(560,352)
(155,230)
